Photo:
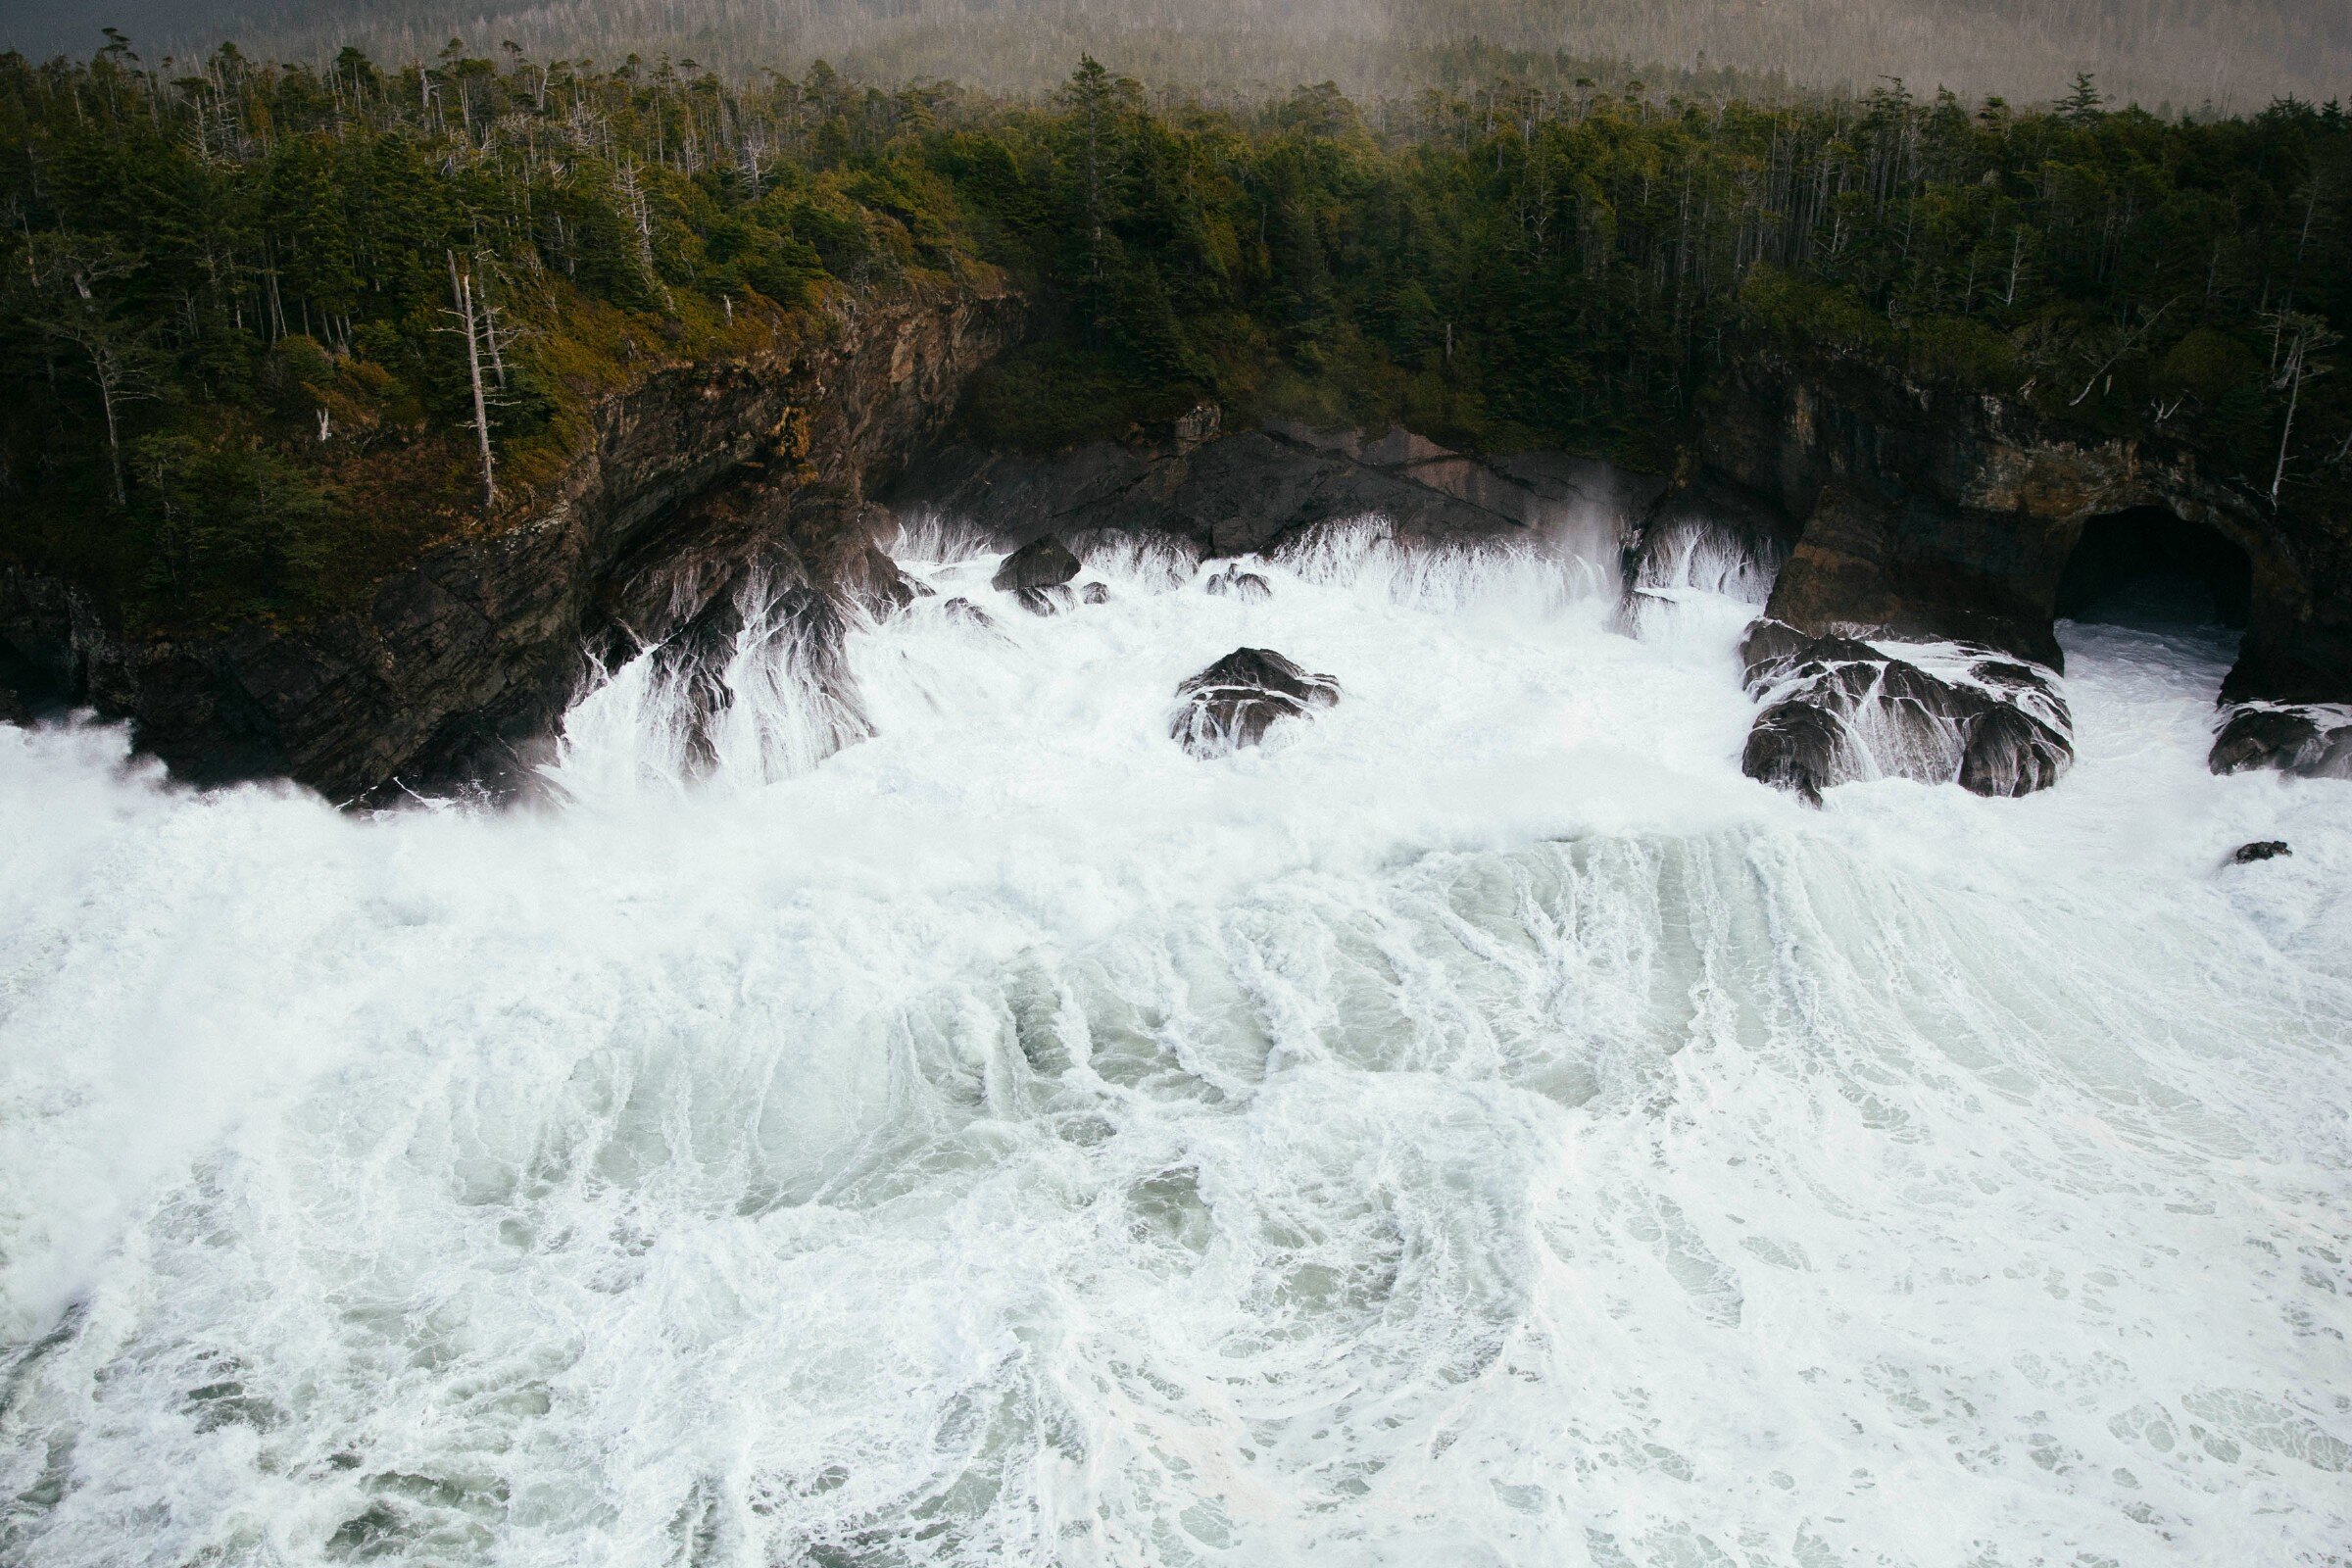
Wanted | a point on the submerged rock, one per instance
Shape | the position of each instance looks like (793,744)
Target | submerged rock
(2266,849)
(2307,742)
(971,615)
(1838,710)
(1235,583)
(1233,702)
(1043,562)
(1051,599)
(1094,593)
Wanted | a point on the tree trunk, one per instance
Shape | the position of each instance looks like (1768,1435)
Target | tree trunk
(114,435)
(460,288)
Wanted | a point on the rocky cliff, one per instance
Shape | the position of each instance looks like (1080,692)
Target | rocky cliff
(455,670)
(1927,513)
(1903,511)
(1920,512)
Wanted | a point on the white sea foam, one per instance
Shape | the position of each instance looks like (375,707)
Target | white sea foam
(1476,1127)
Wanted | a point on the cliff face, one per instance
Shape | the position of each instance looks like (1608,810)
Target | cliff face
(458,667)
(1928,513)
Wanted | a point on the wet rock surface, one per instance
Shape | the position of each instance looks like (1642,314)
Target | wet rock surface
(869,579)
(2307,742)
(1049,601)
(695,666)
(1233,702)
(1043,562)
(1838,710)
(2266,849)
(1247,587)
(963,609)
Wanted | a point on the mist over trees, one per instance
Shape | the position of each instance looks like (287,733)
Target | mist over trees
(2176,55)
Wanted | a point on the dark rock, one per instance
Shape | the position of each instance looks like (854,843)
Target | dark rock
(1246,492)
(1711,534)
(1799,746)
(1235,583)
(1043,562)
(2267,850)
(1838,710)
(1049,601)
(2305,742)
(869,579)
(1094,593)
(2010,753)
(1233,702)
(971,615)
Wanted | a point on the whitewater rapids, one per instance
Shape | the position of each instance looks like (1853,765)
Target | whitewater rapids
(1477,1127)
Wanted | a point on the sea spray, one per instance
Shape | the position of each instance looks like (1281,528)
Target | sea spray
(1479,1126)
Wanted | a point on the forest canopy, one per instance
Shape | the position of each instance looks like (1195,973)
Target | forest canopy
(250,306)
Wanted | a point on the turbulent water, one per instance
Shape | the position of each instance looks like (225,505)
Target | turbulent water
(1476,1127)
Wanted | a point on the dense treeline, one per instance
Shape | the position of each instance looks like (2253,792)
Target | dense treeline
(275,325)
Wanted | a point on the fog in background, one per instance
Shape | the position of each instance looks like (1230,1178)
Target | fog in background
(2179,54)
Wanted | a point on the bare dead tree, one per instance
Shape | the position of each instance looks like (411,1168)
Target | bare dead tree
(2129,338)
(79,313)
(468,320)
(640,214)
(2303,337)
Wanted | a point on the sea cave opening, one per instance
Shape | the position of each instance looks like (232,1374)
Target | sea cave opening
(2152,570)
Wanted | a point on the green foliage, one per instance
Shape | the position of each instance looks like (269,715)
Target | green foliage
(227,298)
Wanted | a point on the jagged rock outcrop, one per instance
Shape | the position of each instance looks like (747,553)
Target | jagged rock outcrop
(1924,513)
(1233,702)
(1045,601)
(1038,577)
(2309,742)
(1245,587)
(1043,562)
(1838,710)
(458,666)
(1246,492)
